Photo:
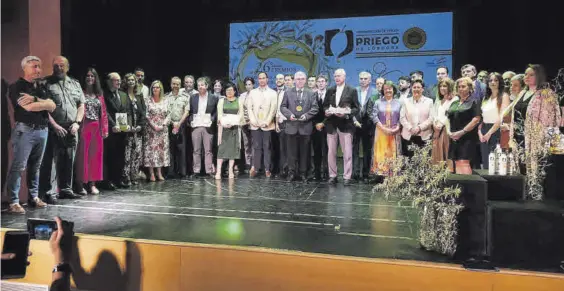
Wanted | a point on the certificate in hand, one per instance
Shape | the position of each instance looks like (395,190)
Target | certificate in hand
(230,120)
(338,110)
(201,120)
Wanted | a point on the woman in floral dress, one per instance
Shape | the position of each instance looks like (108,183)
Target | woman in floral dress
(157,153)
(387,139)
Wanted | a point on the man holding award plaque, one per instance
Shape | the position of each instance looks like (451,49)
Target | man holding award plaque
(299,106)
(340,106)
(203,113)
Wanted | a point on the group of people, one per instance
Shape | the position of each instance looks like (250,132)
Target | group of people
(72,136)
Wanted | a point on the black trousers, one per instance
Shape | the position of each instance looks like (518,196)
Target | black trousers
(319,142)
(298,146)
(177,146)
(416,140)
(114,157)
(281,152)
(57,166)
(362,165)
(262,149)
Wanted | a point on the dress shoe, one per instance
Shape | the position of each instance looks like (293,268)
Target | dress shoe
(68,195)
(291,178)
(305,179)
(268,174)
(347,182)
(134,182)
(36,203)
(332,181)
(124,184)
(81,192)
(50,199)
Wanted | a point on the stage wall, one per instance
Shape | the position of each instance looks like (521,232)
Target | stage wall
(386,46)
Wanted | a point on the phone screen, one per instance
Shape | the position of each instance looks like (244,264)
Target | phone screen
(15,242)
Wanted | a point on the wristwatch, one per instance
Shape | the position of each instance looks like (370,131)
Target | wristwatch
(63,268)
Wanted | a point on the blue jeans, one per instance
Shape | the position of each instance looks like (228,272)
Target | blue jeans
(28,146)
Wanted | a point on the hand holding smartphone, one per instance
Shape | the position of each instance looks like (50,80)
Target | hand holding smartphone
(14,254)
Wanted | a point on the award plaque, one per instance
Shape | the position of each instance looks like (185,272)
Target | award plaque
(121,121)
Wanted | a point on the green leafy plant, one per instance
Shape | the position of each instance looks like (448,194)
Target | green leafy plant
(424,184)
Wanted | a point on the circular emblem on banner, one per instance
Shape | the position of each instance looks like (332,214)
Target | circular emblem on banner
(414,38)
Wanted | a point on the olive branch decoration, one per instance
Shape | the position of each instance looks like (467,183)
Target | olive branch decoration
(423,183)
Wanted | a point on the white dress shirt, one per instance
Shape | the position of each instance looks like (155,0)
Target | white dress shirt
(338,94)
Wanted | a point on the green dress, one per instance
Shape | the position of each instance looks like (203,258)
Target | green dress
(229,148)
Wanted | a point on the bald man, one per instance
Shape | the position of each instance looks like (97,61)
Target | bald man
(58,161)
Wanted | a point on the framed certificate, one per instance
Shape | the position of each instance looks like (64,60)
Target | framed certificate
(201,120)
(230,119)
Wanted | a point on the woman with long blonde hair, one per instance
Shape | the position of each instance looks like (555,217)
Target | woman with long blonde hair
(156,146)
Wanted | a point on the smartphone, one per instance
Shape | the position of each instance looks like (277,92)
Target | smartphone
(43,228)
(15,242)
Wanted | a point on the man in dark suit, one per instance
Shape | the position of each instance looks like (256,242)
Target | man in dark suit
(114,144)
(365,133)
(299,106)
(340,126)
(319,136)
(202,104)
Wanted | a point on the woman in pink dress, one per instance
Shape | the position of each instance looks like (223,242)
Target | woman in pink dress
(90,153)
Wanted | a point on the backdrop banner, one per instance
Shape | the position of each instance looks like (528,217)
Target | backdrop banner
(385,46)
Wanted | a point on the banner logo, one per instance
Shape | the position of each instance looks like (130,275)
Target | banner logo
(414,38)
(331,34)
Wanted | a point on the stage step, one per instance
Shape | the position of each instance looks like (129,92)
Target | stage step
(526,235)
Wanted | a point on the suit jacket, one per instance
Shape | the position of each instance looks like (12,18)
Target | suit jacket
(211,108)
(412,115)
(262,108)
(113,106)
(349,98)
(289,105)
(320,116)
(365,111)
(136,111)
(479,91)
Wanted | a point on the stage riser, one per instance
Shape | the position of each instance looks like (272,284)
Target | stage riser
(115,264)
(526,235)
(504,188)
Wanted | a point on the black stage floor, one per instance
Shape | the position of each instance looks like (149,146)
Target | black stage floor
(314,217)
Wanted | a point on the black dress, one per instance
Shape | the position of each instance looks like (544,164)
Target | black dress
(520,115)
(459,115)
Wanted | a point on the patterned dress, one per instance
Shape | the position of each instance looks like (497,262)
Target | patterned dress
(157,144)
(133,140)
(385,146)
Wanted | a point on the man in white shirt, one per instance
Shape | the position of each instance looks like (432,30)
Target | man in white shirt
(247,162)
(203,109)
(262,115)
(340,127)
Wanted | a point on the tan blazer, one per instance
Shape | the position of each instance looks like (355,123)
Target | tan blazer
(262,108)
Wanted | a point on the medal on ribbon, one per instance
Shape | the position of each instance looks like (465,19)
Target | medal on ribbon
(299,108)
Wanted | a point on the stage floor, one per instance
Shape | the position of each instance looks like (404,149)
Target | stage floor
(274,214)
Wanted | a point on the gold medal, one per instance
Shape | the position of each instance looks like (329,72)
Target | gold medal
(261,115)
(299,108)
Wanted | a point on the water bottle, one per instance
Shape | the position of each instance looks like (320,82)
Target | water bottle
(491,163)
(511,162)
(497,153)
(503,164)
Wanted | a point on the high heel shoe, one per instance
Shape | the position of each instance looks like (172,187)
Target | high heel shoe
(218,176)
(231,175)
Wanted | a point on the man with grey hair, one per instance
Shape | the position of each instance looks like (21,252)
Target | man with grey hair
(364,134)
(56,179)
(32,105)
(179,108)
(340,126)
(189,82)
(203,113)
(299,106)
